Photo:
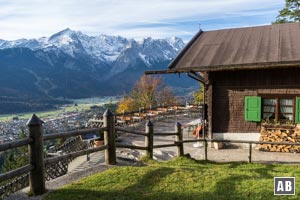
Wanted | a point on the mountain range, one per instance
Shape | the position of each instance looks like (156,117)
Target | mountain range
(71,64)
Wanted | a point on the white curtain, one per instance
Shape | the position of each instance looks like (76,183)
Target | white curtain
(286,108)
(269,108)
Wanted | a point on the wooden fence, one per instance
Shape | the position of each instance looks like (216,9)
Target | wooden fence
(37,162)
(149,136)
(36,166)
(206,140)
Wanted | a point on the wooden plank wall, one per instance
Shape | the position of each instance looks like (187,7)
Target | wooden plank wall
(230,88)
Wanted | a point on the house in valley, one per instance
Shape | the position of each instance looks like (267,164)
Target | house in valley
(251,76)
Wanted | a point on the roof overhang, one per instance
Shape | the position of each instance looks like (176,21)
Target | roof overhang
(191,74)
(168,71)
(189,69)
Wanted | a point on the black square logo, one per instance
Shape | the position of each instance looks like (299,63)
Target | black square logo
(284,185)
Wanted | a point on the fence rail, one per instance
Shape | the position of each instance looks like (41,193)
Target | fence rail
(15,144)
(39,165)
(149,136)
(130,146)
(249,142)
(130,131)
(164,145)
(74,154)
(237,141)
(17,172)
(165,134)
(72,133)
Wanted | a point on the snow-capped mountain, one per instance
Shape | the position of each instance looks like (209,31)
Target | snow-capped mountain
(72,64)
(103,48)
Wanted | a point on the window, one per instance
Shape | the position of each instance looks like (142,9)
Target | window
(286,109)
(269,108)
(278,109)
(273,108)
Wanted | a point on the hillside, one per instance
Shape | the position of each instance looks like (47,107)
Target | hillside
(70,64)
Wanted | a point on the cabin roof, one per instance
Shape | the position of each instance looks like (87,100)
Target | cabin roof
(241,48)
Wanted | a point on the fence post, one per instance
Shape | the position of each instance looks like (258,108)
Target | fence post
(250,153)
(149,139)
(179,138)
(36,156)
(205,149)
(109,137)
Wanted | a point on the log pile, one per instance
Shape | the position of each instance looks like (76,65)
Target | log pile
(290,135)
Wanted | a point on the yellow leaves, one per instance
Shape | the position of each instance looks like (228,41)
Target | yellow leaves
(148,91)
(126,105)
(145,90)
(198,96)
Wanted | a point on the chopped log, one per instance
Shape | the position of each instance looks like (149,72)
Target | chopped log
(286,135)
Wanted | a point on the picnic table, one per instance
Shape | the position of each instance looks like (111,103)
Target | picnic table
(151,114)
(137,118)
(121,122)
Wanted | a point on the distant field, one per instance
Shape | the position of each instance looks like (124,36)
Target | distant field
(81,105)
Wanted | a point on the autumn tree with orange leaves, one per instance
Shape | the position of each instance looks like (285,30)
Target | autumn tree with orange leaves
(148,91)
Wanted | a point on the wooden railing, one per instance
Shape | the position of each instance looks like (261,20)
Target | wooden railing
(37,162)
(36,166)
(205,140)
(149,135)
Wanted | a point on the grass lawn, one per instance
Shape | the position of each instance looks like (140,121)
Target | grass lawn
(181,178)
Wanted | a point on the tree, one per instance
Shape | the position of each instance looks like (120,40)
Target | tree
(148,91)
(111,106)
(290,13)
(17,157)
(126,105)
(198,96)
(145,91)
(166,97)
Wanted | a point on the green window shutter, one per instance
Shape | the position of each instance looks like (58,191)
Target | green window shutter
(297,110)
(253,108)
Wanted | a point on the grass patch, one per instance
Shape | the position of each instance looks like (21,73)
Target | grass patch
(181,178)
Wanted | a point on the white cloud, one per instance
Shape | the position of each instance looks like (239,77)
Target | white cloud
(132,18)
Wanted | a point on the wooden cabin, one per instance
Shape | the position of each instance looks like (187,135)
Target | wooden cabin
(251,76)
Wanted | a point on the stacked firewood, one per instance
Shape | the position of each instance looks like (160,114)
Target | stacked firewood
(280,135)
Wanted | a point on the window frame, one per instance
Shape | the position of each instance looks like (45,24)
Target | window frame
(277,106)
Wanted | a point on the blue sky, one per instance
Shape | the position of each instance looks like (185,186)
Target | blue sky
(131,18)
